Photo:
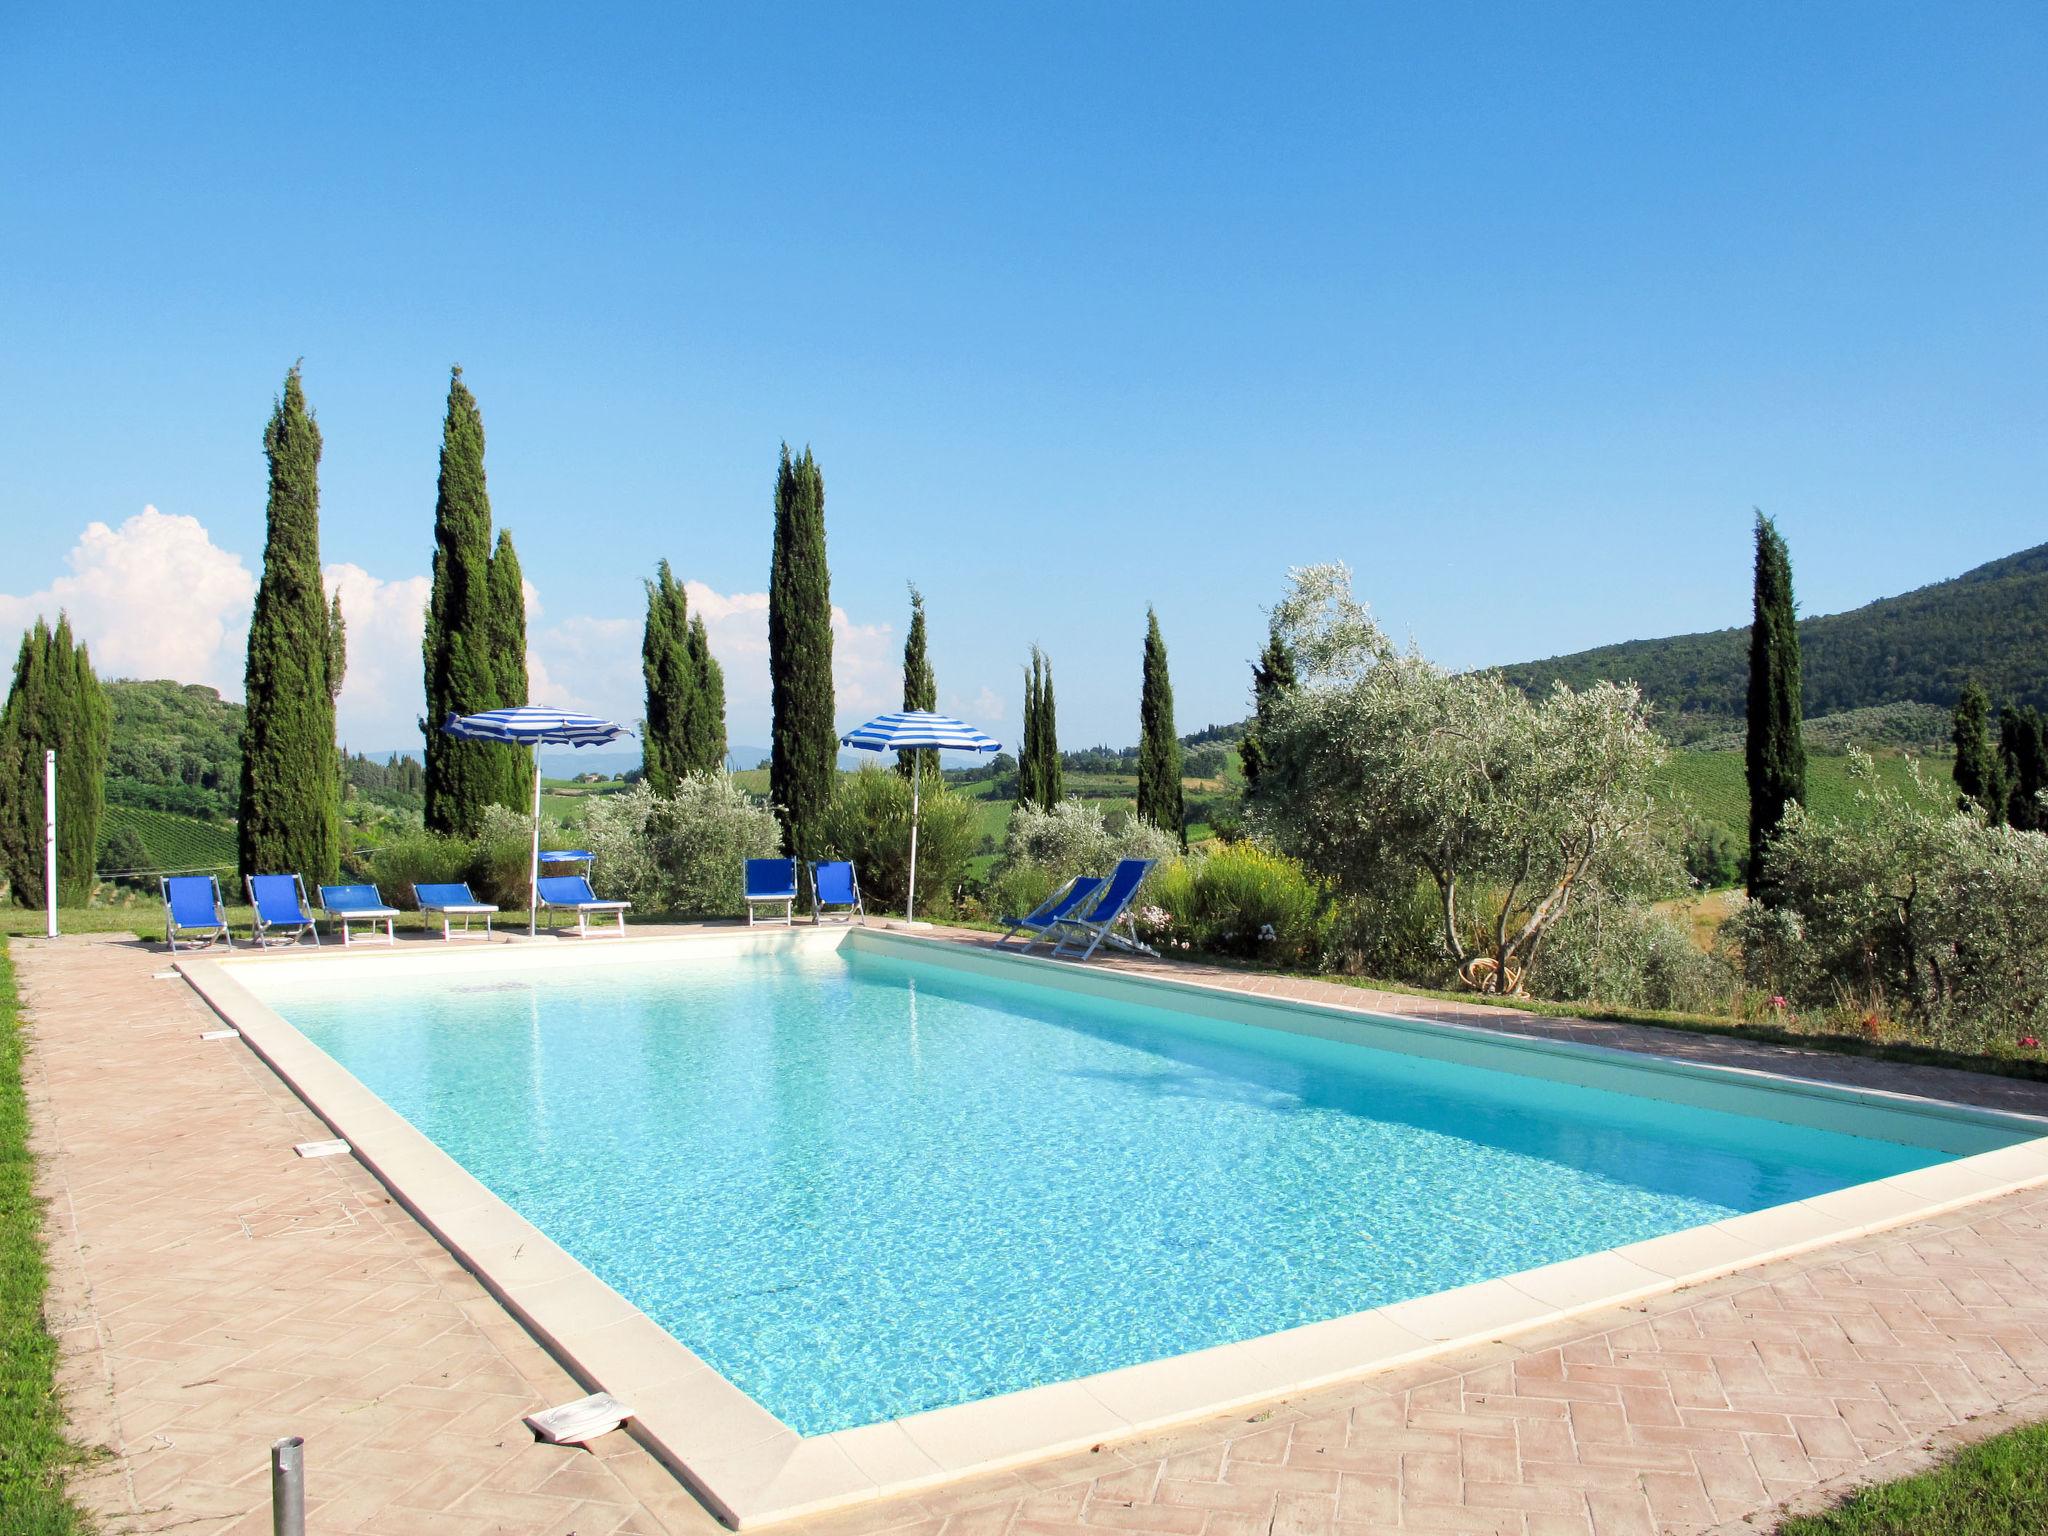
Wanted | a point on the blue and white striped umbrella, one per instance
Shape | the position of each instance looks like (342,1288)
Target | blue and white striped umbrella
(917,730)
(529,725)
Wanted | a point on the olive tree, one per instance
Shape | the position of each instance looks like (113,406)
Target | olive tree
(1382,767)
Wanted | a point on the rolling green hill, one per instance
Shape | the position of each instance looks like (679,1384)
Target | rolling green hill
(1990,624)
(174,747)
(167,841)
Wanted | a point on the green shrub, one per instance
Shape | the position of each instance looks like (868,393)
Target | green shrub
(868,822)
(1713,855)
(418,857)
(683,853)
(1242,900)
(501,858)
(1615,951)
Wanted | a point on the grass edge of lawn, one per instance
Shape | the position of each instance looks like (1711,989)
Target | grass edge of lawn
(1995,1487)
(35,1452)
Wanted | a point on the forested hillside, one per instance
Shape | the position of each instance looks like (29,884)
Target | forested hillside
(176,747)
(1990,624)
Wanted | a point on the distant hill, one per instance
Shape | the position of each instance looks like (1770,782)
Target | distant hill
(1990,624)
(175,747)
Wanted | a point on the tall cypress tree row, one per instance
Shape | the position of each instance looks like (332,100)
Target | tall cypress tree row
(806,748)
(1776,749)
(1272,678)
(506,586)
(670,672)
(1977,772)
(707,730)
(56,702)
(291,780)
(462,674)
(920,687)
(1038,754)
(1159,789)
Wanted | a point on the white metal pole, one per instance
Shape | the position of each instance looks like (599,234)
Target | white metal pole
(533,871)
(916,778)
(50,843)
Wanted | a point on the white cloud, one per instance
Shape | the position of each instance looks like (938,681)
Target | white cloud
(382,690)
(154,597)
(987,708)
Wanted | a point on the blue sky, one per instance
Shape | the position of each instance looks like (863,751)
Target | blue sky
(1519,310)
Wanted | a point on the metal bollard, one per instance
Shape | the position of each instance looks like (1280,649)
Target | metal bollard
(288,1486)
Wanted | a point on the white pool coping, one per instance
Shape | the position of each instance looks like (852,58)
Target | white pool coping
(753,1470)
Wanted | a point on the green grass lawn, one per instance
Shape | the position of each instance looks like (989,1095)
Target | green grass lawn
(33,1450)
(1997,1488)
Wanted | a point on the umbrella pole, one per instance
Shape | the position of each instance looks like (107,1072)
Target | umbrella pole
(533,869)
(916,780)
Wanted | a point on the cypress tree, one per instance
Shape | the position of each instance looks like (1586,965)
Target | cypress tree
(806,748)
(670,672)
(462,677)
(920,687)
(55,702)
(1029,791)
(506,586)
(291,780)
(2025,767)
(707,730)
(1977,772)
(1159,788)
(1272,678)
(1776,750)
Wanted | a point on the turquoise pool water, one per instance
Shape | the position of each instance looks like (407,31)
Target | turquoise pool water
(861,1185)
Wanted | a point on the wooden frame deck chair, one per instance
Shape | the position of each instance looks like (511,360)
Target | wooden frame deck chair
(453,899)
(572,893)
(347,904)
(282,914)
(834,884)
(772,882)
(1041,919)
(192,906)
(1080,936)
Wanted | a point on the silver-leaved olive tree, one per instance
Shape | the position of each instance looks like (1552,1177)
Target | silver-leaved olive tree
(1382,768)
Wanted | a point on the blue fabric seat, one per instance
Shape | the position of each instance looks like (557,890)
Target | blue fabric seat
(453,899)
(1082,935)
(348,904)
(771,882)
(1041,919)
(834,884)
(192,906)
(280,910)
(572,893)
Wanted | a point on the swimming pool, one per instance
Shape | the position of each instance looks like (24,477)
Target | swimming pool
(868,1178)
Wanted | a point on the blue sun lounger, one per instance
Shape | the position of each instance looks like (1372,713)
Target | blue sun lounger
(454,899)
(281,916)
(346,904)
(1040,920)
(1097,925)
(773,882)
(834,884)
(192,906)
(572,893)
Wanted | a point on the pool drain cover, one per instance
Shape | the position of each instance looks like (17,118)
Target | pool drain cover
(321,1148)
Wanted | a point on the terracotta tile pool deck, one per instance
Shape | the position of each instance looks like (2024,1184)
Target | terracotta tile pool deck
(213,1291)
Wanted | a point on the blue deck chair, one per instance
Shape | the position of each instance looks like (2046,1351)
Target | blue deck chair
(281,916)
(1082,935)
(572,893)
(451,900)
(1040,920)
(346,904)
(192,906)
(772,882)
(834,884)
